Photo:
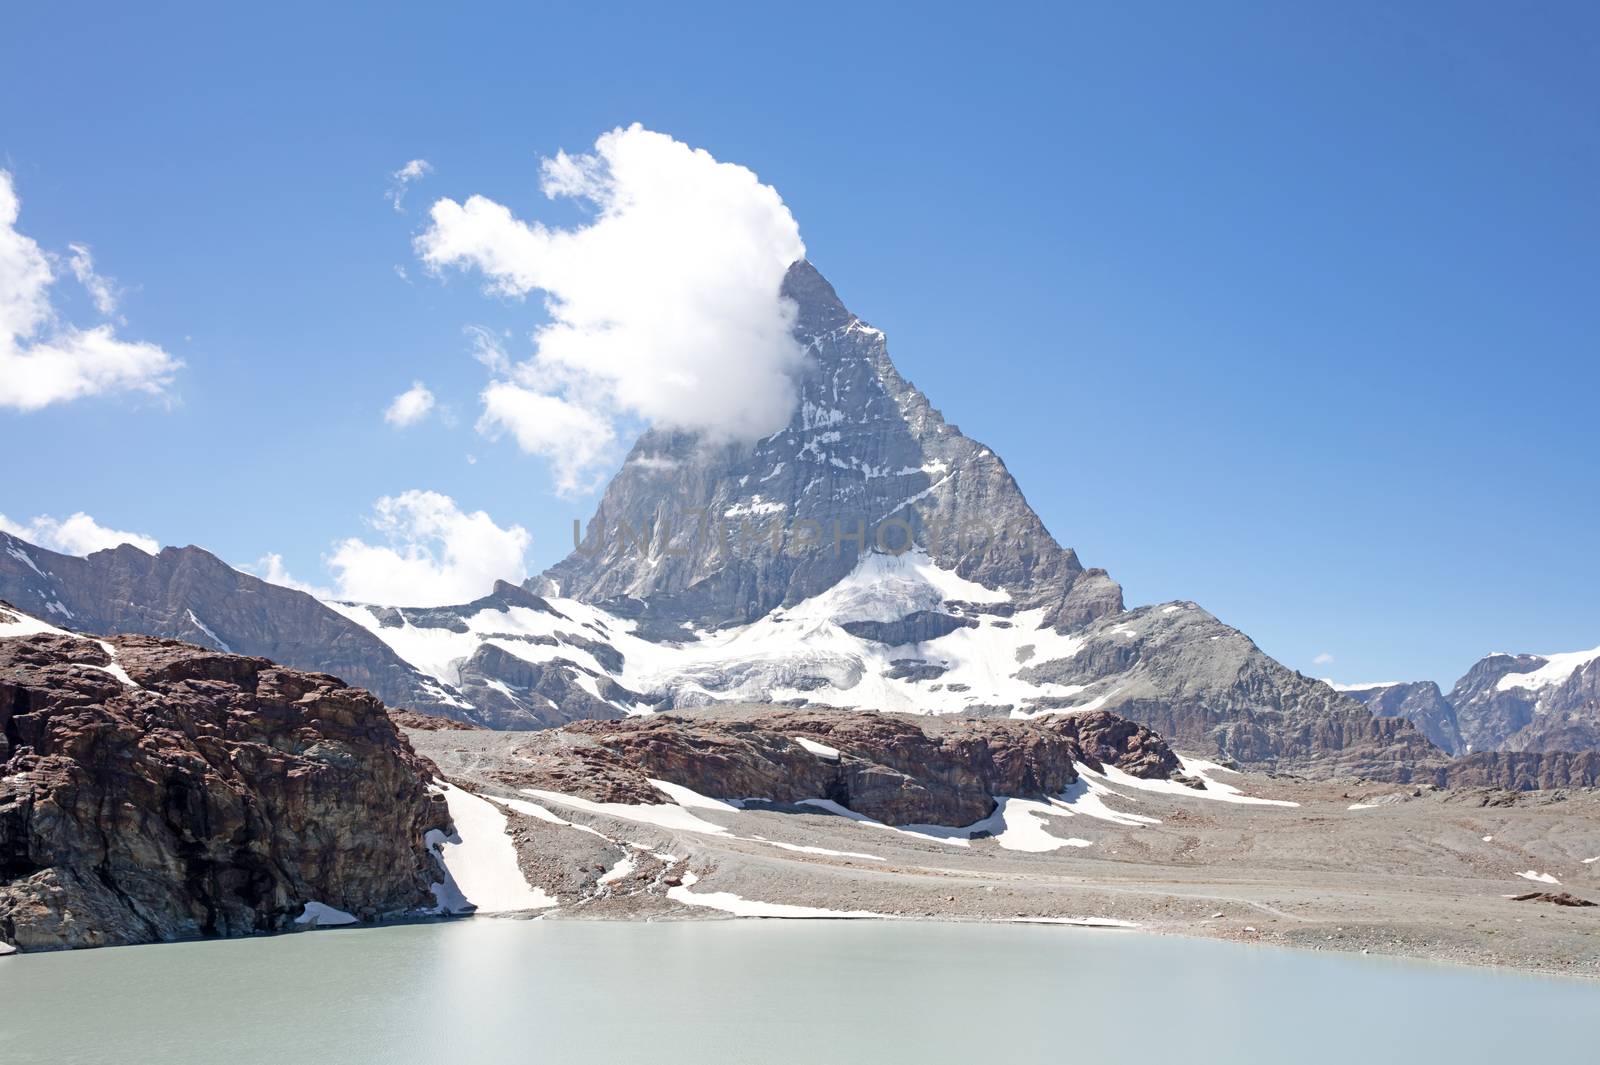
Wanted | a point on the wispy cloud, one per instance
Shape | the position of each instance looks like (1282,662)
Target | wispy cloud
(401,179)
(1323,659)
(101,289)
(270,568)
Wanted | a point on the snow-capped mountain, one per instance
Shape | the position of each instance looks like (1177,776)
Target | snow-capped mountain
(1504,702)
(868,555)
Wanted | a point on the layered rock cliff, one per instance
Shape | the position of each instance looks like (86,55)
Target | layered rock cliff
(153,790)
(891,768)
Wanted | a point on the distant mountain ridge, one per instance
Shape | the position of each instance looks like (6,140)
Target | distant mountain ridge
(1505,702)
(186,593)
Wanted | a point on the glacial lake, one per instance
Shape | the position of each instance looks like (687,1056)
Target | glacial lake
(756,992)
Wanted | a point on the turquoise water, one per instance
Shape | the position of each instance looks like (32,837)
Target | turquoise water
(750,993)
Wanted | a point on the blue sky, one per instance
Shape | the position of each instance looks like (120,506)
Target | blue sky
(1287,310)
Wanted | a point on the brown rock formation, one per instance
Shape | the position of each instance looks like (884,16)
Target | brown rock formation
(1520,770)
(215,795)
(891,768)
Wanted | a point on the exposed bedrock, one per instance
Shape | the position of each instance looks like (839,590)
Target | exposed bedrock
(892,768)
(214,795)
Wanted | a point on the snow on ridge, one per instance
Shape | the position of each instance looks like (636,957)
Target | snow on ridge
(1195,767)
(222,644)
(1369,686)
(770,658)
(1555,670)
(28,625)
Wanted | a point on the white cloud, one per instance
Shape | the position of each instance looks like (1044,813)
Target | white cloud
(101,289)
(270,568)
(76,535)
(571,436)
(410,406)
(45,361)
(665,308)
(1323,659)
(435,554)
(415,170)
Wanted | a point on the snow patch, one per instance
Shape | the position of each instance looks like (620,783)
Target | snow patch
(821,750)
(203,627)
(1556,669)
(728,902)
(1542,878)
(1196,767)
(920,832)
(481,859)
(798,848)
(621,871)
(666,815)
(1021,824)
(321,915)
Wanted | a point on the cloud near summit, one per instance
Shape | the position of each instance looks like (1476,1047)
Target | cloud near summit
(663,310)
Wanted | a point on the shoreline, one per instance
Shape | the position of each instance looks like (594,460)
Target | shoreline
(1410,873)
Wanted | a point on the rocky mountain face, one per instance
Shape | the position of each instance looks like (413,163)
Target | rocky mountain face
(153,790)
(1420,702)
(715,536)
(868,555)
(1525,703)
(191,595)
(891,768)
(1520,770)
(1530,703)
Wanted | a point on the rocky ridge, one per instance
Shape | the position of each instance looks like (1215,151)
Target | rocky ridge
(188,594)
(891,768)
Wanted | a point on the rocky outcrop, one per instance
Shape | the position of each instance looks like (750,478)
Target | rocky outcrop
(892,768)
(189,594)
(431,723)
(153,790)
(1519,770)
(1555,898)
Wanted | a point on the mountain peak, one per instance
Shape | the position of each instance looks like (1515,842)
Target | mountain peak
(821,310)
(865,464)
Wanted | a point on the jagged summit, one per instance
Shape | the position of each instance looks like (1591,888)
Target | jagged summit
(716,536)
(819,305)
